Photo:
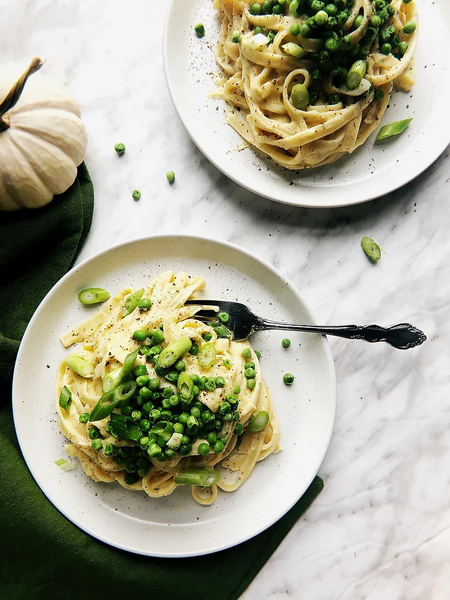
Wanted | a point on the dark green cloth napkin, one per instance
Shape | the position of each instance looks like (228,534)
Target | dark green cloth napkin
(43,556)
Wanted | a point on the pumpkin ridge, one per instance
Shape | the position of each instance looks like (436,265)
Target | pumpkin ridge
(11,188)
(38,169)
(73,150)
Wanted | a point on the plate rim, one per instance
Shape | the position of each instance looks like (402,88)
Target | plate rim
(15,393)
(369,196)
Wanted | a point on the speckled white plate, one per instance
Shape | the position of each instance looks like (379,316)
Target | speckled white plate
(372,171)
(177,526)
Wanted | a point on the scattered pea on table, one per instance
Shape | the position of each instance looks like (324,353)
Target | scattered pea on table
(199,30)
(288,379)
(120,149)
(136,195)
(170,176)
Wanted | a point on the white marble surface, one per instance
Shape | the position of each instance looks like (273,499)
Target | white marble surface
(381,527)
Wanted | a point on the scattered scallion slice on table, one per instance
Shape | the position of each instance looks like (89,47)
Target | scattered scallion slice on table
(93,296)
(392,129)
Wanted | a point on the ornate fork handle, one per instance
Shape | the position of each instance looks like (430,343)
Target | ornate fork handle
(402,335)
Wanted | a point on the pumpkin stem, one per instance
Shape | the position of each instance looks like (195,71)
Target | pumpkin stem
(14,94)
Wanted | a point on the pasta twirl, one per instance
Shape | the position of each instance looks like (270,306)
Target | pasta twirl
(155,412)
(264,53)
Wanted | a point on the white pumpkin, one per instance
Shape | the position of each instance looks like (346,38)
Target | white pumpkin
(42,138)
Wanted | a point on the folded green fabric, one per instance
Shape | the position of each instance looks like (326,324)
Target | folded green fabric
(43,555)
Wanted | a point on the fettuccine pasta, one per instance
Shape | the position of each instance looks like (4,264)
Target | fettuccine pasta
(309,81)
(153,398)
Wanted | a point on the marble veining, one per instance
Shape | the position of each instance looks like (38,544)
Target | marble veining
(381,527)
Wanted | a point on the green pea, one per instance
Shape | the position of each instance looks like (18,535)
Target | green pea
(238,429)
(83,418)
(220,381)
(251,383)
(210,385)
(120,149)
(194,349)
(145,392)
(371,248)
(165,403)
(250,373)
(285,342)
(375,21)
(236,37)
(142,380)
(207,336)
(96,445)
(224,408)
(136,195)
(358,21)
(246,353)
(386,48)
(379,95)
(300,99)
(180,365)
(185,449)
(288,379)
(218,447)
(402,48)
(317,5)
(223,317)
(144,425)
(109,450)
(203,449)
(333,99)
(139,370)
(195,412)
(199,30)
(157,336)
(93,433)
(277,9)
(294,29)
(331,9)
(127,410)
(144,304)
(321,17)
(212,438)
(331,44)
(255,8)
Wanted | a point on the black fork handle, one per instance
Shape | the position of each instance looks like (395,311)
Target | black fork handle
(402,335)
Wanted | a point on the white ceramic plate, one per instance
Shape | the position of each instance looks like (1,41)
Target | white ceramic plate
(177,526)
(370,172)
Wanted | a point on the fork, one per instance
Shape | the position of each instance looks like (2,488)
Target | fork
(242,322)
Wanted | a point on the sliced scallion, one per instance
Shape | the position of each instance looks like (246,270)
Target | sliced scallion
(207,355)
(202,476)
(65,465)
(258,421)
(65,398)
(80,365)
(174,352)
(131,302)
(185,387)
(294,50)
(392,129)
(93,296)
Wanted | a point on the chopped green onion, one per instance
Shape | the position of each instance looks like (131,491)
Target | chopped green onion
(371,249)
(65,465)
(207,355)
(111,379)
(258,421)
(93,296)
(80,365)
(202,476)
(131,302)
(294,50)
(65,398)
(185,387)
(175,441)
(174,352)
(356,74)
(392,129)
(136,195)
(236,37)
